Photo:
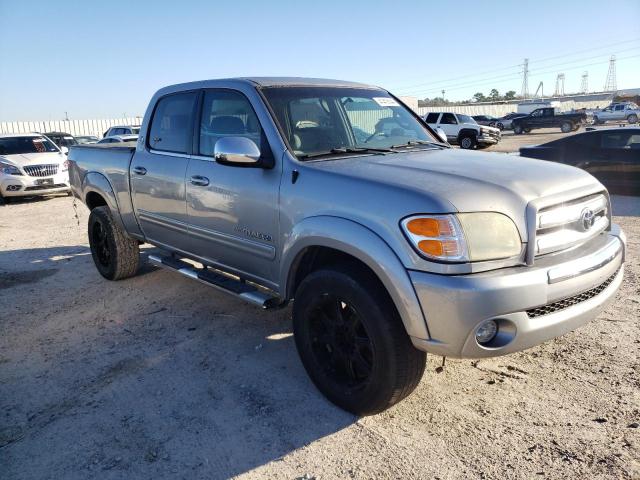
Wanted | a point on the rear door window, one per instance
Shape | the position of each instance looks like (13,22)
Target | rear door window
(171,124)
(448,119)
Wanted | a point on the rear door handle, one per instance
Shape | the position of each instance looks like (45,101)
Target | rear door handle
(200,181)
(139,170)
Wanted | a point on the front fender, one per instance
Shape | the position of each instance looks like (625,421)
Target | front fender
(360,242)
(98,183)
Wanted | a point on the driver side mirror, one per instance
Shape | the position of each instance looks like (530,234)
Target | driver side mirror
(237,151)
(442,135)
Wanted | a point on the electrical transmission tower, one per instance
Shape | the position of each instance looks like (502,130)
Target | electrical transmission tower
(559,85)
(611,85)
(584,86)
(525,79)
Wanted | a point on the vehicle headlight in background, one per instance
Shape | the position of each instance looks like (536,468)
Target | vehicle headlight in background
(463,237)
(9,169)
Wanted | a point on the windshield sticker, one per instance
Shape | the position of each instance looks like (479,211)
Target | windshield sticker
(385,102)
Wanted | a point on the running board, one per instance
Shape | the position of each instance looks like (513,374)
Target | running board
(238,288)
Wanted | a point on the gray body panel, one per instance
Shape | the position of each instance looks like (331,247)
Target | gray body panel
(256,223)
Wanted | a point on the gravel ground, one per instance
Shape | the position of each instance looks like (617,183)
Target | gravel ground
(161,377)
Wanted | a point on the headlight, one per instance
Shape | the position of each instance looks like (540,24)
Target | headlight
(9,169)
(464,237)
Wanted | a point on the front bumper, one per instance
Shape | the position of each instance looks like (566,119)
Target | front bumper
(26,186)
(486,139)
(530,304)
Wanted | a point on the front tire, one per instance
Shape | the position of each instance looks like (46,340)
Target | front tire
(468,142)
(500,126)
(633,118)
(352,342)
(115,254)
(566,127)
(517,129)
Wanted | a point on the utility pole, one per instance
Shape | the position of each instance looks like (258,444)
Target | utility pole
(525,79)
(584,87)
(610,84)
(559,85)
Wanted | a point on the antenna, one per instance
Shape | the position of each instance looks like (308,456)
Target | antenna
(611,85)
(584,87)
(525,79)
(559,85)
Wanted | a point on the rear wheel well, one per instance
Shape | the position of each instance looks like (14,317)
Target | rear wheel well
(94,200)
(317,257)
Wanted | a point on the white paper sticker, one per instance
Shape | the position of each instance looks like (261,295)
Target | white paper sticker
(386,102)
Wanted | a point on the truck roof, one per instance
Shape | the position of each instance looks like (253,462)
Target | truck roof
(264,82)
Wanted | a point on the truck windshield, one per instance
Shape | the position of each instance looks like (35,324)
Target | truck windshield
(18,145)
(339,120)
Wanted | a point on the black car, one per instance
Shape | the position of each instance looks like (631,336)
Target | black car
(62,139)
(612,155)
(486,120)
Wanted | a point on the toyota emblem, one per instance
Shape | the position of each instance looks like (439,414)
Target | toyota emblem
(587,219)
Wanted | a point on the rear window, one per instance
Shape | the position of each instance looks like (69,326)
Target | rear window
(18,145)
(432,117)
(171,124)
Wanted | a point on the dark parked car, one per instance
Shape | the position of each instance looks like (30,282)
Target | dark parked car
(546,118)
(611,155)
(504,123)
(486,120)
(61,139)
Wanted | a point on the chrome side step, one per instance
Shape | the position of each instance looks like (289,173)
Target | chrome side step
(212,278)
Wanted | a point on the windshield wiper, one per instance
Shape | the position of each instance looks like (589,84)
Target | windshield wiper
(338,151)
(411,143)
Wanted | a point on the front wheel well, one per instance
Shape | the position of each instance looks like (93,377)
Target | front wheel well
(94,200)
(317,257)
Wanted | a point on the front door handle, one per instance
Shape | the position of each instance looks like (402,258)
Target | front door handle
(200,181)
(139,170)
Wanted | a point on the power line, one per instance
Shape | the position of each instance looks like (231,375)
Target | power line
(543,60)
(466,85)
(488,81)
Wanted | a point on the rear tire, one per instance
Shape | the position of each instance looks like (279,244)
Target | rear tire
(115,254)
(596,121)
(633,118)
(566,127)
(500,126)
(468,142)
(517,129)
(352,342)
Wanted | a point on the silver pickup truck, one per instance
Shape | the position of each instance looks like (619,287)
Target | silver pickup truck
(336,195)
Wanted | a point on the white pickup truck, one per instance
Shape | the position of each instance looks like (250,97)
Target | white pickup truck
(463,130)
(619,112)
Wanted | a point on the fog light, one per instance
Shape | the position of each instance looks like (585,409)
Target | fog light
(486,332)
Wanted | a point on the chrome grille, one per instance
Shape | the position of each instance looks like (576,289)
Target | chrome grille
(41,170)
(568,224)
(571,301)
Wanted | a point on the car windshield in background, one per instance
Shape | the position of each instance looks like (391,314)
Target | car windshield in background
(465,119)
(337,120)
(18,145)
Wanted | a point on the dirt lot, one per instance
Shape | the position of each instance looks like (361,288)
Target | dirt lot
(161,377)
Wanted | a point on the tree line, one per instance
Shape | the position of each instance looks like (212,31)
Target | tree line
(494,96)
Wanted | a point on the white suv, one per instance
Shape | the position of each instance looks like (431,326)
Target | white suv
(31,164)
(463,130)
(628,111)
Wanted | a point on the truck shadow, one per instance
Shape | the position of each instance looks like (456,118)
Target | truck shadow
(171,376)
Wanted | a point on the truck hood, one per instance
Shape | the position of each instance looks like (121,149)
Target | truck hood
(466,181)
(25,159)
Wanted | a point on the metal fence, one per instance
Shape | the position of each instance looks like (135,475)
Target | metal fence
(74,127)
(363,119)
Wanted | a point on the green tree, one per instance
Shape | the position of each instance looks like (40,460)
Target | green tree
(479,97)
(510,95)
(494,95)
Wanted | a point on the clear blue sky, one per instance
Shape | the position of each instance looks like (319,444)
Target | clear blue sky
(102,59)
